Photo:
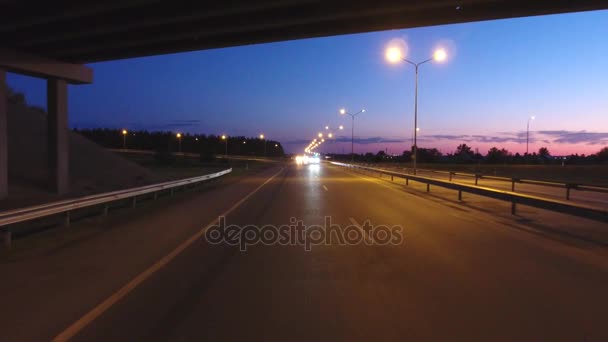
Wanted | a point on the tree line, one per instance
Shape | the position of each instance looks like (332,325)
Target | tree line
(464,154)
(169,142)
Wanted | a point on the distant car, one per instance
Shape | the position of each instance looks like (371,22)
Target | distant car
(314,160)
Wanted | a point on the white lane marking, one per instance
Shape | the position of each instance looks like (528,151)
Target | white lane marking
(356,224)
(324,187)
(97,311)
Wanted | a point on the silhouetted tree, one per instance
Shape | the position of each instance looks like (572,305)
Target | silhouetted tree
(495,155)
(463,153)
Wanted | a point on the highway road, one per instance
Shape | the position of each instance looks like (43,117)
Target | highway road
(458,273)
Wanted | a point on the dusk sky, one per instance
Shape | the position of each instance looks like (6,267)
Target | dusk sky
(498,74)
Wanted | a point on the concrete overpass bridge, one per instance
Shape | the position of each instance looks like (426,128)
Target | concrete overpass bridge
(54,40)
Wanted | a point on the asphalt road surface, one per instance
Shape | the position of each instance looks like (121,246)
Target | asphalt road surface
(454,273)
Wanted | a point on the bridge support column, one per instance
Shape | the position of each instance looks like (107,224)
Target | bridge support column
(3,135)
(58,144)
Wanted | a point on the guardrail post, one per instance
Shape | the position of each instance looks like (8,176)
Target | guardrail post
(155,196)
(460,195)
(105,210)
(6,238)
(567,192)
(476,179)
(513,185)
(428,187)
(407,181)
(450,176)
(171,192)
(134,202)
(67,218)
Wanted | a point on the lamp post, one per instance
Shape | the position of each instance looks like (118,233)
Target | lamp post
(124,139)
(262,137)
(528,133)
(352,131)
(394,55)
(179,142)
(225,138)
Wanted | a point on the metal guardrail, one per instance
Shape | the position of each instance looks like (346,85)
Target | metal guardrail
(66,206)
(564,207)
(514,180)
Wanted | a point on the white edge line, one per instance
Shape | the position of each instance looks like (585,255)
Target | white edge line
(98,310)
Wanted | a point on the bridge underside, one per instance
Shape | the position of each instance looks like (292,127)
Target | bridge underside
(52,39)
(82,31)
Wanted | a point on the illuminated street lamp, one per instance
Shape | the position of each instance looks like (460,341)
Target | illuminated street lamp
(124,138)
(395,55)
(528,133)
(179,141)
(352,133)
(262,137)
(320,135)
(225,138)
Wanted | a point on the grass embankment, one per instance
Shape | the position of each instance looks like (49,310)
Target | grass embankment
(576,174)
(181,167)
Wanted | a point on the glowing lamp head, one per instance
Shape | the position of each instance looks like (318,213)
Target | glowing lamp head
(330,135)
(261,136)
(394,54)
(326,127)
(533,117)
(223,136)
(124,132)
(178,135)
(341,127)
(440,55)
(320,135)
(342,111)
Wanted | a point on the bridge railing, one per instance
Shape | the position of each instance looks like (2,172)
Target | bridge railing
(564,207)
(104,200)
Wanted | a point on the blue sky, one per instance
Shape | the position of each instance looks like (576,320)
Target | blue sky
(497,75)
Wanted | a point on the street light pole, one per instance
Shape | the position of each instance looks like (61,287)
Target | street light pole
(528,133)
(415,147)
(225,138)
(352,131)
(124,139)
(263,138)
(394,55)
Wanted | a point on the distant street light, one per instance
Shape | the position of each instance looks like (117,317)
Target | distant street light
(394,55)
(124,138)
(225,138)
(262,137)
(528,133)
(352,133)
(179,141)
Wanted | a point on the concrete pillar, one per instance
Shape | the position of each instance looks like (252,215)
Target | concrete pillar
(58,144)
(3,136)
